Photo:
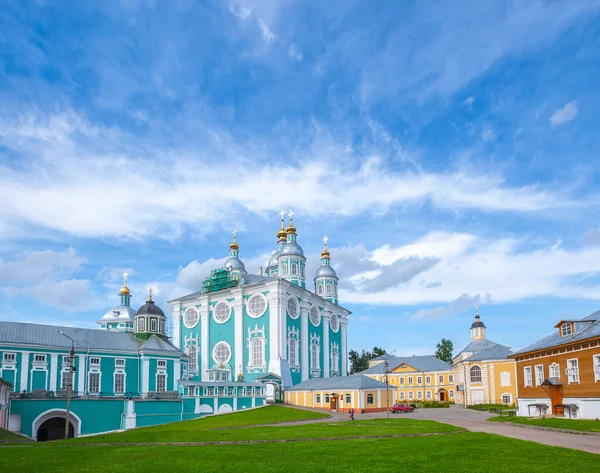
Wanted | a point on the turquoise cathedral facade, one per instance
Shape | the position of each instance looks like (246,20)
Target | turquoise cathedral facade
(264,324)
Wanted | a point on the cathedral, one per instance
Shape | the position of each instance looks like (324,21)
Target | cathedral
(254,324)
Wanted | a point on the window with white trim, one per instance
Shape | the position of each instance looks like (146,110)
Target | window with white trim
(119,383)
(161,383)
(222,353)
(283,269)
(93,383)
(573,370)
(402,396)
(153,325)
(402,381)
(9,357)
(120,362)
(294,268)
(427,379)
(450,379)
(334,323)
(326,398)
(554,370)
(419,380)
(328,288)
(539,374)
(314,356)
(506,399)
(411,395)
(292,307)
(191,317)
(410,380)
(94,361)
(320,289)
(192,352)
(293,351)
(370,399)
(64,379)
(441,379)
(428,395)
(315,316)
(335,364)
(318,399)
(222,312)
(141,324)
(596,368)
(527,379)
(161,364)
(257,305)
(162,326)
(452,394)
(566,329)
(420,395)
(475,374)
(257,352)
(37,358)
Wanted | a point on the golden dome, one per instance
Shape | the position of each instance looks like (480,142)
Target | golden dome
(234,246)
(291,228)
(125,290)
(281,234)
(325,253)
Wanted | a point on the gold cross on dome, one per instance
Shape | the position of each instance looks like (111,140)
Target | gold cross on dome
(125,274)
(325,240)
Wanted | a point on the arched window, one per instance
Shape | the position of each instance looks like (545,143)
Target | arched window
(335,361)
(475,373)
(320,289)
(256,352)
(328,288)
(293,351)
(162,326)
(370,399)
(141,324)
(506,399)
(192,352)
(554,370)
(284,269)
(314,357)
(294,269)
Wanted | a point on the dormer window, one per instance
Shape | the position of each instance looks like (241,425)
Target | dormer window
(566,329)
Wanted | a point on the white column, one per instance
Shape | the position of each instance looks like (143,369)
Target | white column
(52,373)
(204,342)
(253,402)
(24,371)
(326,347)
(238,326)
(304,341)
(176,374)
(145,375)
(274,334)
(344,352)
(379,398)
(235,403)
(176,316)
(130,418)
(81,374)
(215,405)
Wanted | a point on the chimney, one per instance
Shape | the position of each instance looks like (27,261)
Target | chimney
(260,271)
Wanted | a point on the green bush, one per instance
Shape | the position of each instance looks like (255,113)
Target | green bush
(430,405)
(492,407)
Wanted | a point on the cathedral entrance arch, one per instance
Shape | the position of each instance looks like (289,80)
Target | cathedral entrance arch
(442,395)
(50,425)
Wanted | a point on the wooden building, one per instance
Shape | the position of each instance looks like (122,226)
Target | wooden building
(560,374)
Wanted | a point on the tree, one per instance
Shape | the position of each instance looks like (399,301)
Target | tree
(444,350)
(360,361)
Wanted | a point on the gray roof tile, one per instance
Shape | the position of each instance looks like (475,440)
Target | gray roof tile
(493,353)
(84,338)
(420,363)
(355,381)
(589,329)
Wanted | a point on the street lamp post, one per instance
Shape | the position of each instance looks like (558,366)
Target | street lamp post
(70,382)
(387,385)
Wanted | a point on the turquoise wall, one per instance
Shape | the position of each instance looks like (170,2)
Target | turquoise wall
(157,412)
(221,333)
(251,323)
(294,323)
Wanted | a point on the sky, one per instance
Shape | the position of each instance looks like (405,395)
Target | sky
(449,150)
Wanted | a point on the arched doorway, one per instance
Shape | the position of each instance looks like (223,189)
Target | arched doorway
(442,395)
(50,425)
(272,390)
(54,429)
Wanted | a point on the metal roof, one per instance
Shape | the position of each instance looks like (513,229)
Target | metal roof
(420,363)
(355,381)
(493,353)
(84,338)
(478,345)
(588,330)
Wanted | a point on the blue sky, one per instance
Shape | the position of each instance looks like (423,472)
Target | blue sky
(448,150)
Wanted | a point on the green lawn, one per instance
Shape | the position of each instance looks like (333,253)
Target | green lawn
(5,435)
(463,452)
(571,424)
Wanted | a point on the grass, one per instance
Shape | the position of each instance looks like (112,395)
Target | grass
(421,454)
(497,407)
(6,436)
(570,424)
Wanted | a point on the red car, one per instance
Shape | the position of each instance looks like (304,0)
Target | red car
(401,408)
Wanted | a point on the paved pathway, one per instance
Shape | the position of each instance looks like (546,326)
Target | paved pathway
(476,421)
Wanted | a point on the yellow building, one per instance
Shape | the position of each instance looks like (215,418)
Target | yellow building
(341,393)
(482,371)
(416,378)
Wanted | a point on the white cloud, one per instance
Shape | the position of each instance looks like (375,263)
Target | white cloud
(267,34)
(497,270)
(240,10)
(456,306)
(488,134)
(35,266)
(469,102)
(295,54)
(74,168)
(565,114)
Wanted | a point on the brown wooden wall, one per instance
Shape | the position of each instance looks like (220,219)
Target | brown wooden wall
(584,352)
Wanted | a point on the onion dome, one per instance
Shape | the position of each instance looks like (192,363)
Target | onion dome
(325,271)
(292,248)
(291,230)
(273,259)
(233,263)
(281,233)
(478,322)
(150,308)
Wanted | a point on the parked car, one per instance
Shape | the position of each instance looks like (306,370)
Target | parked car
(401,408)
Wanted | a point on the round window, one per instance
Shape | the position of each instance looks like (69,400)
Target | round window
(292,307)
(315,317)
(222,312)
(335,323)
(222,353)
(257,305)
(190,318)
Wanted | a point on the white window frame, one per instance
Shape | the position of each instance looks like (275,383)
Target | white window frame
(411,395)
(370,399)
(402,381)
(64,378)
(161,364)
(402,396)
(94,373)
(509,398)
(215,310)
(480,380)
(450,378)
(315,356)
(335,361)
(314,310)
(419,379)
(538,380)
(428,395)
(251,299)
(527,377)
(573,371)
(9,357)
(119,362)
(335,326)
(554,370)
(419,395)
(452,394)
(428,380)
(328,288)
(40,358)
(161,376)
(257,361)
(188,311)
(141,324)
(441,379)
(596,367)
(215,349)
(294,301)
(193,363)
(153,324)
(293,352)
(566,327)
(119,374)
(410,380)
